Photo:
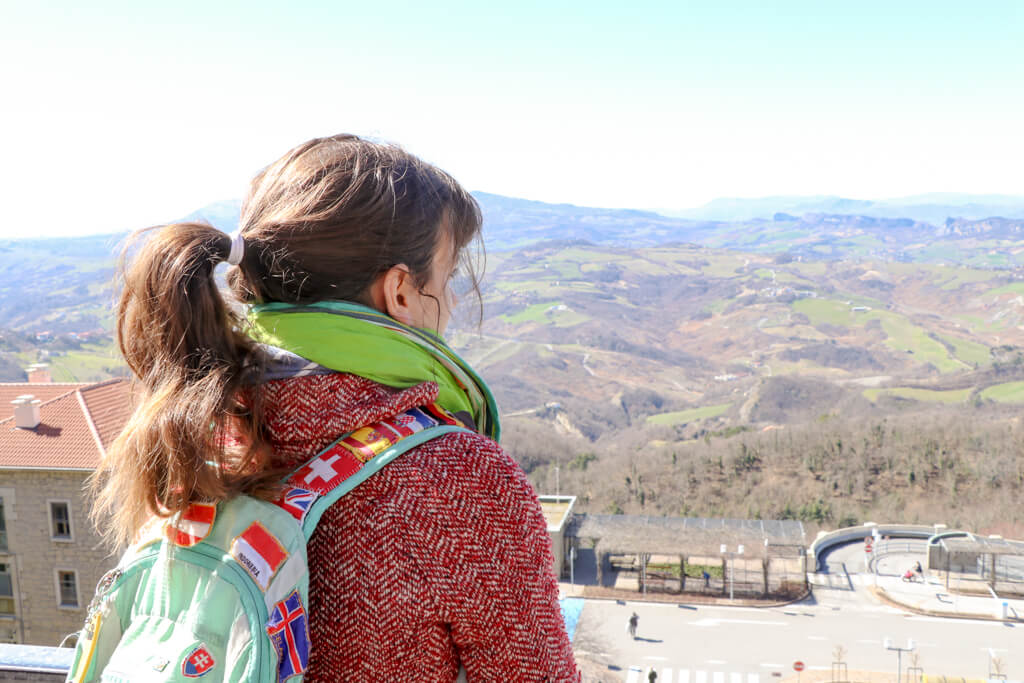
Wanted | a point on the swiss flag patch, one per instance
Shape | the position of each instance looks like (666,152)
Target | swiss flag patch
(326,471)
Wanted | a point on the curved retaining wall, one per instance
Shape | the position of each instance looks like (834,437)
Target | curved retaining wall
(858,533)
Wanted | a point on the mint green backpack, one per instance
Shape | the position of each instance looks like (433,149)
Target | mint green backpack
(219,592)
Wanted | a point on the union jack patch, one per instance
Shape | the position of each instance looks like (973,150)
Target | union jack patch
(296,502)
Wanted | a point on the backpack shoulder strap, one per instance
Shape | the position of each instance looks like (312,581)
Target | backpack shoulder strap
(355,457)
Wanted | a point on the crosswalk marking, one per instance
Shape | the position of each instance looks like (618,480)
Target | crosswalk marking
(638,674)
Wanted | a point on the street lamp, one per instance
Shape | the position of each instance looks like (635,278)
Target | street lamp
(724,550)
(899,654)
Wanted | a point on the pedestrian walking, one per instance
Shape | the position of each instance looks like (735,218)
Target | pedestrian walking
(634,621)
(652,675)
(707,579)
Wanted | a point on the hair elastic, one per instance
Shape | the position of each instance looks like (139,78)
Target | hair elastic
(237,248)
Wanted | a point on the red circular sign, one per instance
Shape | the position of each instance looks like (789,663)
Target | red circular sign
(798,666)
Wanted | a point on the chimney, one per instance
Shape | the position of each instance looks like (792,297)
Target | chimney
(26,412)
(38,373)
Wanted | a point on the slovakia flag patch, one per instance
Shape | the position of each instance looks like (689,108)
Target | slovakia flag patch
(198,662)
(288,629)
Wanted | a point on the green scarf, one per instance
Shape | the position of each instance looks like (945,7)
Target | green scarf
(362,341)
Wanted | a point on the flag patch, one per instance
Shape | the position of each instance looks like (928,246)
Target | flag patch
(327,470)
(412,421)
(296,502)
(198,662)
(193,525)
(289,632)
(369,441)
(260,553)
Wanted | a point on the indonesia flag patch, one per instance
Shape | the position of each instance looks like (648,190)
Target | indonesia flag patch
(198,662)
(193,525)
(296,502)
(260,553)
(288,629)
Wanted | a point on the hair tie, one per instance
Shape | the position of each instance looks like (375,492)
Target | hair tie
(237,248)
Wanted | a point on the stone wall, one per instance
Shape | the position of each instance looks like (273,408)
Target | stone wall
(35,556)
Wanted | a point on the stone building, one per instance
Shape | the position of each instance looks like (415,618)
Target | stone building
(52,436)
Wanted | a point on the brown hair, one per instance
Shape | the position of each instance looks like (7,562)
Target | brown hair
(320,223)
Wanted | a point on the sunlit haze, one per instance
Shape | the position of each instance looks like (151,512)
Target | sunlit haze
(118,115)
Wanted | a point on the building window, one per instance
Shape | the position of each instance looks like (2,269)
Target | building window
(3,527)
(60,520)
(6,591)
(67,588)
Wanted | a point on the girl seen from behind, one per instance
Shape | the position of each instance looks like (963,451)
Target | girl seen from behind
(344,259)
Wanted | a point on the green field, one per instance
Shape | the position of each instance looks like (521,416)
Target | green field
(825,311)
(906,336)
(684,416)
(546,313)
(902,334)
(91,363)
(968,351)
(923,395)
(1010,392)
(1012,288)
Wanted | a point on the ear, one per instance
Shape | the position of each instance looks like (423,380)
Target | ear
(392,293)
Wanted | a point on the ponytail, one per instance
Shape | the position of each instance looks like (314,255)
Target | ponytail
(194,434)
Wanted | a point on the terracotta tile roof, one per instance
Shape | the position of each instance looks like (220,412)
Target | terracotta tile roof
(78,421)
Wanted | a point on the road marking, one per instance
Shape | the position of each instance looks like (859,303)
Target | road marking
(666,676)
(753,678)
(702,677)
(718,677)
(755,622)
(941,620)
(634,675)
(735,678)
(684,676)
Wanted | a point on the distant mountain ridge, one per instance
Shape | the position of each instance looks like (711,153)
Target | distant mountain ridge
(65,283)
(512,223)
(932,208)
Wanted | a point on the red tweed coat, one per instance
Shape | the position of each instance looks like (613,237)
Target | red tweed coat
(441,559)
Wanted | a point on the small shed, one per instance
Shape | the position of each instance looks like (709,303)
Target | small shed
(558,513)
(774,546)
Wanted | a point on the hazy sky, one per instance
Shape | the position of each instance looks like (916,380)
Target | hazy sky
(117,115)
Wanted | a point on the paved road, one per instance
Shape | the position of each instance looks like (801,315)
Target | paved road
(687,644)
